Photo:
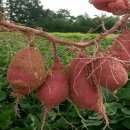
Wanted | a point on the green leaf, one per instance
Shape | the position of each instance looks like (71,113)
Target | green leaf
(3,82)
(93,122)
(127,116)
(112,107)
(25,105)
(27,128)
(126,123)
(116,120)
(53,115)
(125,111)
(124,93)
(94,117)
(126,102)
(93,128)
(113,104)
(5,119)
(61,124)
(2,95)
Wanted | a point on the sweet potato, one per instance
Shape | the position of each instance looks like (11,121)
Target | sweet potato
(117,7)
(83,91)
(55,89)
(26,72)
(121,47)
(102,4)
(109,72)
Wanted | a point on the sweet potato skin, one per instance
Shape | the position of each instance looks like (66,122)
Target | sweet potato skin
(83,92)
(110,73)
(121,49)
(26,72)
(117,7)
(55,89)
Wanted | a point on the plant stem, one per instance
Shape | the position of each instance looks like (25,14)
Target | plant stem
(18,28)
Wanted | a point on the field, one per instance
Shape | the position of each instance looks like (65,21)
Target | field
(67,116)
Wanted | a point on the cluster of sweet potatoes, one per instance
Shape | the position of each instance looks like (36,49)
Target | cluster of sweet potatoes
(80,82)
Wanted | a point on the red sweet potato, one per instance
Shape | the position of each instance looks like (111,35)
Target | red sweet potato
(83,91)
(102,4)
(109,72)
(117,7)
(26,72)
(55,89)
(121,47)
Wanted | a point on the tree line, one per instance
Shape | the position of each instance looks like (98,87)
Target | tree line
(31,13)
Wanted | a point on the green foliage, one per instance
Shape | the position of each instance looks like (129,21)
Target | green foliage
(63,21)
(1,5)
(66,116)
(24,11)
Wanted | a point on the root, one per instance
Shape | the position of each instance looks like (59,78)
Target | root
(103,111)
(125,63)
(98,49)
(100,66)
(44,118)
(107,57)
(123,48)
(106,122)
(17,102)
(82,118)
(78,76)
(72,126)
(49,87)
(96,68)
(31,31)
(114,95)
(100,102)
(76,68)
(16,106)
(56,57)
(121,12)
(106,83)
(107,125)
(100,74)
(112,73)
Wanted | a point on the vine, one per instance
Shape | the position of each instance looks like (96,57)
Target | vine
(13,27)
